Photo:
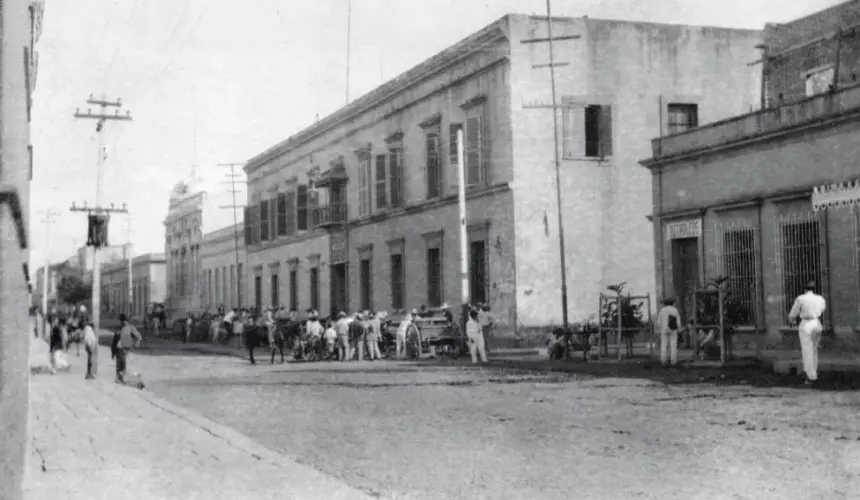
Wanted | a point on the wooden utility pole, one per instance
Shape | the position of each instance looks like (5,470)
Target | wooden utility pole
(232,176)
(101,119)
(128,255)
(50,215)
(554,106)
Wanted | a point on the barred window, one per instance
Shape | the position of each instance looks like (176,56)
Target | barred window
(798,255)
(738,248)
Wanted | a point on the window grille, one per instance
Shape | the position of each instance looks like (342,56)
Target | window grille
(798,256)
(737,249)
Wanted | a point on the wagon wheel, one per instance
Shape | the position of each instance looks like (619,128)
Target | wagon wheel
(413,345)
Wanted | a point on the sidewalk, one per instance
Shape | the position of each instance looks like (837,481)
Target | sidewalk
(100,440)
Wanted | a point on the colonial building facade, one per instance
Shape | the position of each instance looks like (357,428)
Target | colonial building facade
(223,254)
(147,285)
(359,211)
(769,199)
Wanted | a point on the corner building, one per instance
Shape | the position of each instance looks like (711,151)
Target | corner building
(770,199)
(359,211)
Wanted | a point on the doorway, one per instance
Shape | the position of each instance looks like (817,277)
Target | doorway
(258,293)
(685,268)
(339,296)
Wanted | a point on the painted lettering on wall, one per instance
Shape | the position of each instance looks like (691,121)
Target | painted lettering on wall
(690,228)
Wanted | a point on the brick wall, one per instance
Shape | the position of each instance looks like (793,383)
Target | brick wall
(786,73)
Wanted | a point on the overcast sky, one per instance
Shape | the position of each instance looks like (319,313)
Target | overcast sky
(253,72)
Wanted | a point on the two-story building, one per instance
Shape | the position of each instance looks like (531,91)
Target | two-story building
(769,199)
(359,210)
(148,285)
(223,254)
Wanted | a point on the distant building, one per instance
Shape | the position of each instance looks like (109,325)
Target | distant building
(770,199)
(81,261)
(359,210)
(195,207)
(223,276)
(148,285)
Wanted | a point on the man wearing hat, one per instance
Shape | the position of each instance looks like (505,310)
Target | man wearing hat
(357,337)
(808,309)
(342,330)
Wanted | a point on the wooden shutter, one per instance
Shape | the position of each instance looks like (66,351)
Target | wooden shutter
(282,214)
(381,183)
(291,212)
(247,224)
(264,220)
(605,131)
(473,150)
(572,129)
(302,208)
(273,219)
(432,142)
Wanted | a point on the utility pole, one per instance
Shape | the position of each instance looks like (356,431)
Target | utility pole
(464,230)
(555,107)
(99,213)
(232,176)
(348,43)
(46,276)
(130,310)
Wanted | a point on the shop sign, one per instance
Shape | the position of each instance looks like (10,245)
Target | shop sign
(690,228)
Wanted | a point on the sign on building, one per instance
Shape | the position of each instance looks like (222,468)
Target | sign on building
(690,228)
(338,250)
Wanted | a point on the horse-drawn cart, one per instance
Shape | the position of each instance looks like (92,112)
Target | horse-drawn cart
(436,332)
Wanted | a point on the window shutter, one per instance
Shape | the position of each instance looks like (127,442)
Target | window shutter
(486,146)
(473,150)
(255,225)
(247,224)
(606,131)
(273,219)
(302,208)
(291,212)
(282,214)
(572,129)
(264,220)
(381,183)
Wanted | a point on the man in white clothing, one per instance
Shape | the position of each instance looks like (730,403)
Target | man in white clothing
(808,309)
(669,322)
(402,331)
(476,338)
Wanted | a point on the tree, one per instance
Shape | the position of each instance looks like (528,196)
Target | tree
(71,287)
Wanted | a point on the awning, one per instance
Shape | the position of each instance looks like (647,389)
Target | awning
(331,175)
(842,194)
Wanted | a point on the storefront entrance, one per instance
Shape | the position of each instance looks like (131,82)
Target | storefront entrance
(685,279)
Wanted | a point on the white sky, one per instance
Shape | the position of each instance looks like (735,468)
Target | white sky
(256,72)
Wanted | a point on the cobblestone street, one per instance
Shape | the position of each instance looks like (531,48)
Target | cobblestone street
(458,432)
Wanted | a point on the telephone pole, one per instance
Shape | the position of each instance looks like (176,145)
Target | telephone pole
(555,107)
(49,220)
(99,213)
(232,176)
(128,255)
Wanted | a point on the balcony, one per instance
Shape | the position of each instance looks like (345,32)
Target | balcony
(329,215)
(759,123)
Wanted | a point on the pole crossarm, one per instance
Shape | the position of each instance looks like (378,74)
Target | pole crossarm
(99,210)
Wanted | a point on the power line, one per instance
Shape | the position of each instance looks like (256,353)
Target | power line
(123,35)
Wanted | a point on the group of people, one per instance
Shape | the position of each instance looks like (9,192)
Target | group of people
(64,328)
(342,337)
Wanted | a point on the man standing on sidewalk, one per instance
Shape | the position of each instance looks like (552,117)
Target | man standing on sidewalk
(669,321)
(476,338)
(91,344)
(808,309)
(127,339)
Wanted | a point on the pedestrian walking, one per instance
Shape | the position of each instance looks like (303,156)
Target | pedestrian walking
(669,322)
(125,340)
(477,349)
(806,312)
(330,337)
(315,333)
(91,345)
(342,330)
(57,344)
